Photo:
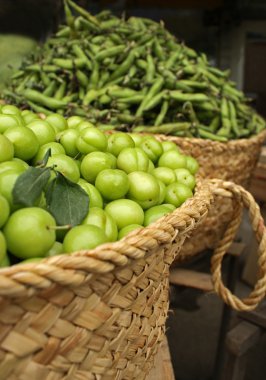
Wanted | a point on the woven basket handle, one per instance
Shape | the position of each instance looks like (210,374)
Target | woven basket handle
(241,198)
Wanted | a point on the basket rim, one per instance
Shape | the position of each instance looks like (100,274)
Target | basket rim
(254,139)
(79,266)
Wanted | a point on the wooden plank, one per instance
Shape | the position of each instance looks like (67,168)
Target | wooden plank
(236,249)
(257,316)
(191,278)
(235,368)
(242,338)
(163,369)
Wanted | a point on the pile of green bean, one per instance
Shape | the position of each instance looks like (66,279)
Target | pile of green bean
(133,75)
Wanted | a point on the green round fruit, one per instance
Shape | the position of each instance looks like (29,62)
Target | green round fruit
(25,142)
(112,184)
(137,138)
(31,260)
(5,210)
(125,212)
(119,141)
(169,145)
(58,122)
(7,183)
(2,248)
(166,175)
(177,193)
(172,159)
(55,147)
(156,212)
(65,165)
(5,262)
(143,189)
(98,217)
(16,164)
(6,149)
(184,176)
(192,165)
(152,147)
(91,140)
(133,159)
(83,125)
(56,249)
(8,121)
(162,192)
(68,139)
(93,163)
(73,121)
(9,109)
(126,230)
(29,116)
(95,198)
(150,167)
(42,130)
(83,237)
(29,232)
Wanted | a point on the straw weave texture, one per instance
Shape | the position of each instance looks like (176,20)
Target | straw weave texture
(97,314)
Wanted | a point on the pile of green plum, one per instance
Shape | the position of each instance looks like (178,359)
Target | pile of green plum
(128,180)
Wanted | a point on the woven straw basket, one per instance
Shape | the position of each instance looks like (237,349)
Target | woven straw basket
(232,161)
(100,314)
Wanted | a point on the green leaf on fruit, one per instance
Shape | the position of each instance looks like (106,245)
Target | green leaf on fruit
(46,157)
(29,186)
(66,201)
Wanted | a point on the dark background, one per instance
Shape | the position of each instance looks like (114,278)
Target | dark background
(233,35)
(231,32)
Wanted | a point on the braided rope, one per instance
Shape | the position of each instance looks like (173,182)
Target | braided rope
(78,268)
(241,198)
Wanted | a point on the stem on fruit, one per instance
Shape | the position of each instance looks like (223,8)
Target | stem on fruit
(65,227)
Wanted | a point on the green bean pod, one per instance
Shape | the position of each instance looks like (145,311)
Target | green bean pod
(94,78)
(69,64)
(208,135)
(166,129)
(134,99)
(43,100)
(215,124)
(39,109)
(60,91)
(82,56)
(164,108)
(90,96)
(158,50)
(182,97)
(50,90)
(83,12)
(153,102)
(111,52)
(82,78)
(233,119)
(150,68)
(124,67)
(155,88)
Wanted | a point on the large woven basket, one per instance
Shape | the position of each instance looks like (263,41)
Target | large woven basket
(100,314)
(232,161)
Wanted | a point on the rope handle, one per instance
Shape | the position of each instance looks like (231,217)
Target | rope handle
(241,198)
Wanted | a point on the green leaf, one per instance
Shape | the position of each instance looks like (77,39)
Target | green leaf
(66,201)
(46,157)
(29,186)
